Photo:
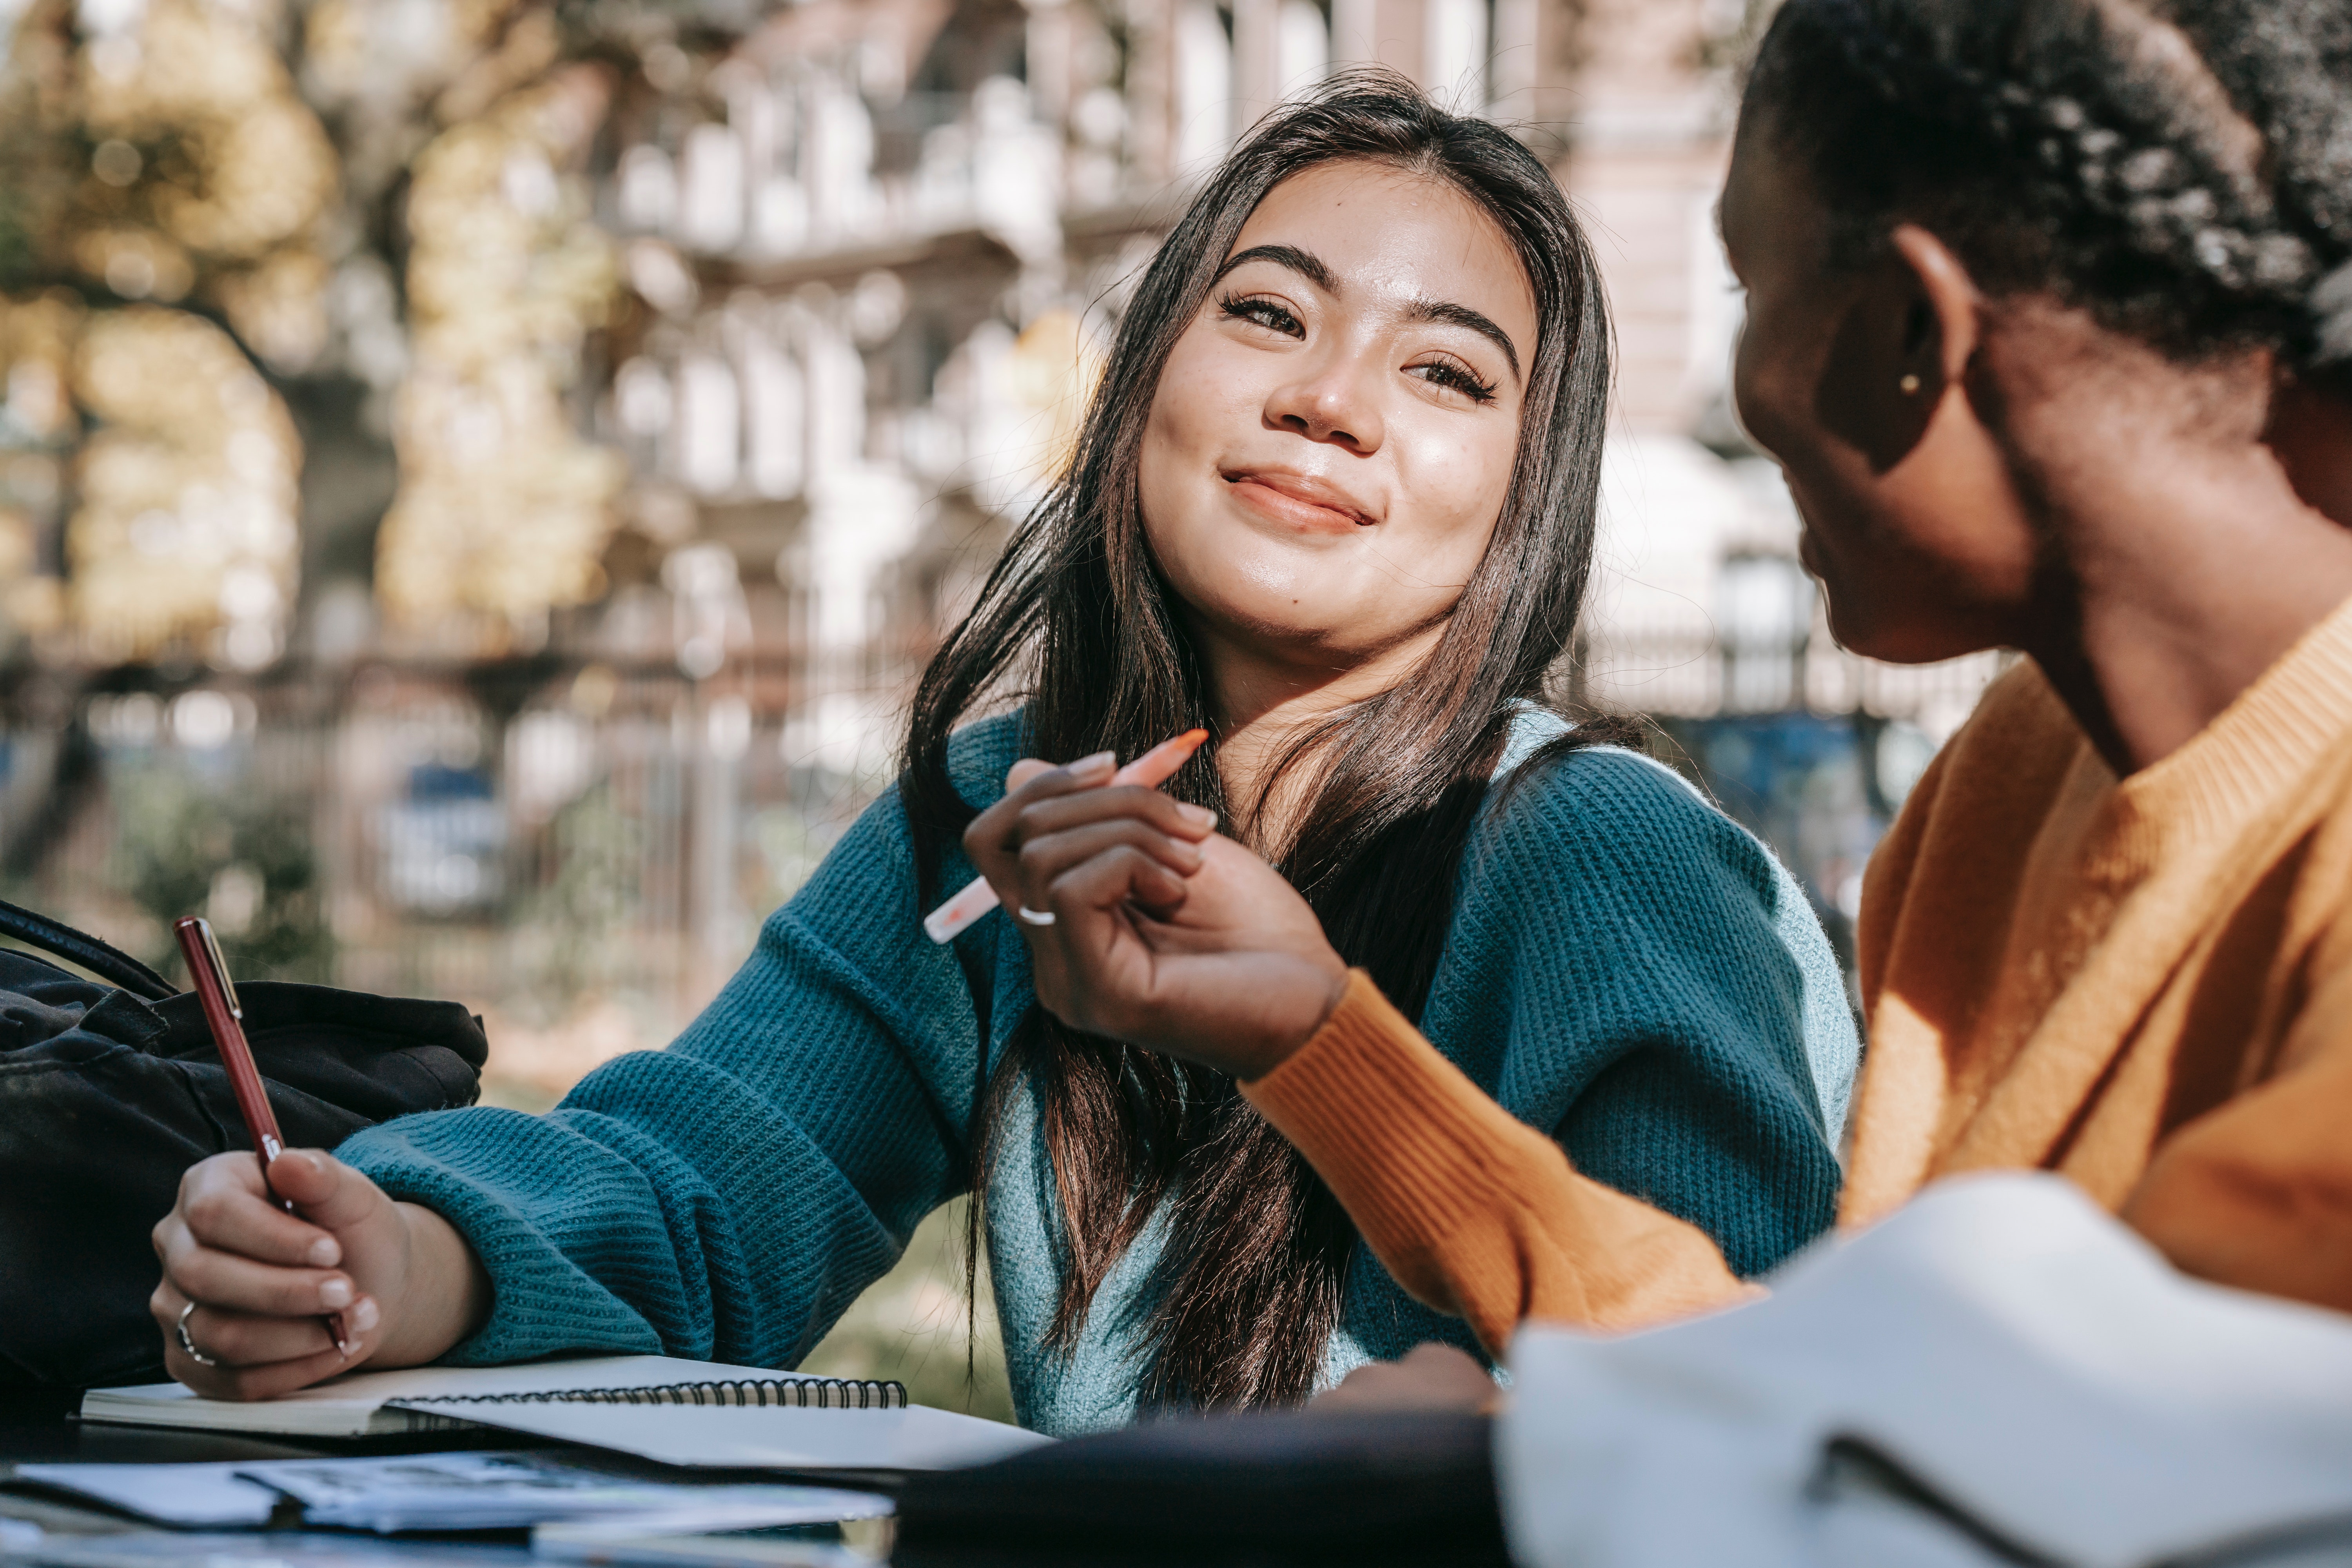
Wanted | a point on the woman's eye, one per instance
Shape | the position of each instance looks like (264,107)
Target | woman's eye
(1454,376)
(1261,312)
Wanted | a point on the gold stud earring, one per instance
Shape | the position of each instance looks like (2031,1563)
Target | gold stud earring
(1910,386)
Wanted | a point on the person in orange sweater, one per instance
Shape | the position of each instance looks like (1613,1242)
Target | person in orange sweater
(2029,284)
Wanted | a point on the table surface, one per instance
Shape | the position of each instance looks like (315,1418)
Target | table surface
(37,1426)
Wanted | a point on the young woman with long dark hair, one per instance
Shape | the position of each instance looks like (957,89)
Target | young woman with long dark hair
(1334,502)
(2050,323)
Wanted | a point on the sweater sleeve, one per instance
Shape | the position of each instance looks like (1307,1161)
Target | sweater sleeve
(1634,974)
(1473,1211)
(728,1197)
(1624,1093)
(2257,1193)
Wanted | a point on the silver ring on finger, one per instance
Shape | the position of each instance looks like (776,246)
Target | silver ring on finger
(188,1344)
(1034,917)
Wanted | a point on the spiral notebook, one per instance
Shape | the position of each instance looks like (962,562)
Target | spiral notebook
(442,1399)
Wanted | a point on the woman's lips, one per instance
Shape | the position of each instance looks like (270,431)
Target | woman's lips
(1299,501)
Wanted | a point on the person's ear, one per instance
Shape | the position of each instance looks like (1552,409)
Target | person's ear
(1908,331)
(1943,339)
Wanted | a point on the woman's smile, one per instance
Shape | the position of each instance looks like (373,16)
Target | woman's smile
(1299,502)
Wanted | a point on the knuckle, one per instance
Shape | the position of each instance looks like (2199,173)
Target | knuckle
(228,1341)
(206,1209)
(193,1274)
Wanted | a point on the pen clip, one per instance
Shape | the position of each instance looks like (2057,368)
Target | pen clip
(220,967)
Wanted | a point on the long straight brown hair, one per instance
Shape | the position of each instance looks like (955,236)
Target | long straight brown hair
(1249,1281)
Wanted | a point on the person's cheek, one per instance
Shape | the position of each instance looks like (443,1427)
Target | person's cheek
(1757,397)
(1450,478)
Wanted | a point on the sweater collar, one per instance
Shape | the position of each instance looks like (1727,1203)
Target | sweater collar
(2270,736)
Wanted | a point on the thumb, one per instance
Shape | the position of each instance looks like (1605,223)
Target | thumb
(329,1192)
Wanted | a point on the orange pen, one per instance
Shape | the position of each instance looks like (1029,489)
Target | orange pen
(225,1016)
(1153,769)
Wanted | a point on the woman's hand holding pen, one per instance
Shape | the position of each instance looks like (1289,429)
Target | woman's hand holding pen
(1165,934)
(406,1284)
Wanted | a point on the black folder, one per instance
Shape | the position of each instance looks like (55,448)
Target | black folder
(1259,1489)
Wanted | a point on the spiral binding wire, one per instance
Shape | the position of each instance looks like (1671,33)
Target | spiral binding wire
(805,1392)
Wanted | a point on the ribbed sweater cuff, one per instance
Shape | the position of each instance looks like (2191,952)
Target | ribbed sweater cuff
(1472,1210)
(1366,1080)
(1406,1142)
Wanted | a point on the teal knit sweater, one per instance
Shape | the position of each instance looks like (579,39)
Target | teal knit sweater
(1626,968)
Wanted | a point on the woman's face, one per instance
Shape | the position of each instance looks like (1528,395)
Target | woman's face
(1333,437)
(1912,518)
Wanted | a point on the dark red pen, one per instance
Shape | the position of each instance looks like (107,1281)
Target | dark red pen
(223,1014)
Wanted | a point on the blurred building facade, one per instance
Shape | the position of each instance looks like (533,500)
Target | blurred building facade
(492,561)
(934,211)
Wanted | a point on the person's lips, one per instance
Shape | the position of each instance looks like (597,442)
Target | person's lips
(1302,501)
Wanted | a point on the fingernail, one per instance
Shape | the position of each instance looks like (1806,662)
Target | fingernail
(1200,815)
(1094,763)
(325,1253)
(363,1317)
(335,1294)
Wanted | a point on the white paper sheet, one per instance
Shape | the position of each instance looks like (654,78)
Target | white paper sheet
(356,1404)
(207,1496)
(510,1491)
(776,1437)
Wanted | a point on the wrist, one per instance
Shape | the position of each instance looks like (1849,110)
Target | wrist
(1317,995)
(444,1295)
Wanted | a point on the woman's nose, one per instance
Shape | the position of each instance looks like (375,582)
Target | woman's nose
(1336,401)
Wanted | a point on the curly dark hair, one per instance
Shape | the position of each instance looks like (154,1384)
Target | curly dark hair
(2181,170)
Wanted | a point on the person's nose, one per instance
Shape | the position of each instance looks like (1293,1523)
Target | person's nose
(1335,397)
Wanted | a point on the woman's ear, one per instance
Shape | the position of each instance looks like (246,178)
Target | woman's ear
(1950,324)
(1905,337)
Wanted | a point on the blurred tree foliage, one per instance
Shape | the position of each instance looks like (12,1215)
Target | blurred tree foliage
(596,847)
(384,207)
(245,863)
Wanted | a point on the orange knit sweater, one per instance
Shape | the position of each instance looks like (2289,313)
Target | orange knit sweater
(2145,985)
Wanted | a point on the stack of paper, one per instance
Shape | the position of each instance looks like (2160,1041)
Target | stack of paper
(435,1398)
(437,1492)
(869,1442)
(510,1491)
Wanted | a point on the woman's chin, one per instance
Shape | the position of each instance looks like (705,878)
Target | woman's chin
(1896,638)
(1301,624)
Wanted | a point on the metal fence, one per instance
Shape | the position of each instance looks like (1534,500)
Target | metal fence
(584,846)
(538,843)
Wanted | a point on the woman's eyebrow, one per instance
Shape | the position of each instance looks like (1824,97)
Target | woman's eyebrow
(1452,315)
(1309,265)
(1306,263)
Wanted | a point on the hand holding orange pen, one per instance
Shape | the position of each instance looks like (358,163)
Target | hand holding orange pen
(1151,770)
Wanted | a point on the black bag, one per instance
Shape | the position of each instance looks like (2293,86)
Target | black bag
(107,1095)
